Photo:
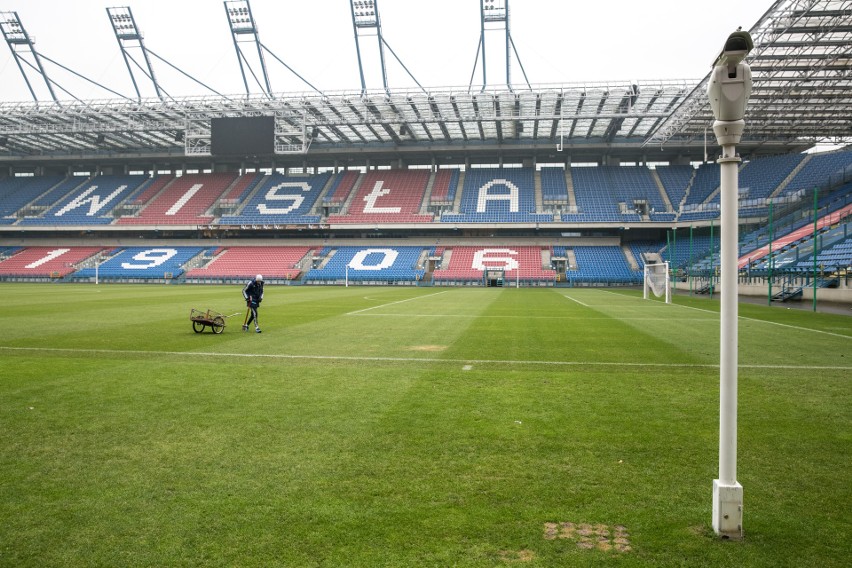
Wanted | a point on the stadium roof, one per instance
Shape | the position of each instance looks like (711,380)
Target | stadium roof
(802,95)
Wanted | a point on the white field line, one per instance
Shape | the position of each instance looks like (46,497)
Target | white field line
(578,301)
(282,356)
(796,327)
(394,303)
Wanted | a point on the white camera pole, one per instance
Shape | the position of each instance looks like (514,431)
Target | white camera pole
(729,90)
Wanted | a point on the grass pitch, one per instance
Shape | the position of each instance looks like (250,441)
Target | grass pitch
(413,427)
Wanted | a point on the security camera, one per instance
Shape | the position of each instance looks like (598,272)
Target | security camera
(730,87)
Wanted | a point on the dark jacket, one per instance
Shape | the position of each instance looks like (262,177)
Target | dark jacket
(253,291)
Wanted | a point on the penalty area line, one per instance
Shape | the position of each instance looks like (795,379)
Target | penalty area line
(283,356)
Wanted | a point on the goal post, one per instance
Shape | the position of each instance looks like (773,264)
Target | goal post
(656,279)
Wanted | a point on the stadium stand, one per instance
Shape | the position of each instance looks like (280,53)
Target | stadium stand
(467,264)
(16,193)
(341,187)
(611,193)
(818,169)
(91,203)
(675,180)
(386,265)
(387,196)
(184,201)
(602,265)
(45,262)
(243,262)
(444,187)
(281,199)
(144,263)
(498,195)
(553,186)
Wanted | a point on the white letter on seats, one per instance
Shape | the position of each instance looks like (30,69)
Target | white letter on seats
(512,197)
(152,258)
(373,196)
(508,263)
(47,258)
(357,262)
(272,195)
(95,203)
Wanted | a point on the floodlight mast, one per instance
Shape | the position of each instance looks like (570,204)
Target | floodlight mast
(728,90)
(15,35)
(128,35)
(492,14)
(241,22)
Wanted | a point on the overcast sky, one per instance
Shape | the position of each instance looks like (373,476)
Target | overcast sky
(558,41)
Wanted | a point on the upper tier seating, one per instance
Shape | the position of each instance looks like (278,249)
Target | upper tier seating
(518,262)
(444,186)
(388,196)
(46,261)
(818,169)
(243,186)
(17,192)
(553,186)
(675,181)
(245,262)
(184,201)
(151,262)
(607,193)
(498,195)
(370,264)
(150,191)
(341,187)
(759,178)
(91,203)
(281,200)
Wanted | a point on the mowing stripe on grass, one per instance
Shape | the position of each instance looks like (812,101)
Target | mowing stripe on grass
(416,359)
(575,318)
(796,327)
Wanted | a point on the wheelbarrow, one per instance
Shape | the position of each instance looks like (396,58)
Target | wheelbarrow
(214,320)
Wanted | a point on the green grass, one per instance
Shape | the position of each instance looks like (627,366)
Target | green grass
(412,427)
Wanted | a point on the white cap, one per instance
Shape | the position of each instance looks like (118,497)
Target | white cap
(259,277)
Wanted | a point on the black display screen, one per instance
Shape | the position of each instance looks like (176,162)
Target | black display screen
(242,136)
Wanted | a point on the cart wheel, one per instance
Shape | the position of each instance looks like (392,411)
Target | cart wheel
(197,326)
(218,324)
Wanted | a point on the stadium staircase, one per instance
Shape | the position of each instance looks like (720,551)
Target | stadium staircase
(663,194)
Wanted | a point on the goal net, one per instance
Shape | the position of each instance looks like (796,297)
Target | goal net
(657,281)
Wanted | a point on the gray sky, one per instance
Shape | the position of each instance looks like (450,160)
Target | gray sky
(558,41)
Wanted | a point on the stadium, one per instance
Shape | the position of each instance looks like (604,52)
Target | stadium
(458,366)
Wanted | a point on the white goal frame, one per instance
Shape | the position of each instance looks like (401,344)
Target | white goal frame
(646,281)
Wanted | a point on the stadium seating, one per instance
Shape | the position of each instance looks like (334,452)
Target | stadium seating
(144,263)
(444,186)
(818,169)
(45,262)
(281,199)
(498,195)
(553,186)
(675,180)
(380,264)
(17,192)
(387,197)
(607,194)
(184,201)
(602,265)
(91,203)
(243,262)
(341,187)
(467,264)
